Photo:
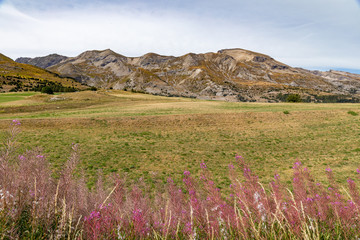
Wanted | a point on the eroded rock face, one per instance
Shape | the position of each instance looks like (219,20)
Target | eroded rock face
(344,81)
(259,59)
(229,74)
(42,62)
(279,67)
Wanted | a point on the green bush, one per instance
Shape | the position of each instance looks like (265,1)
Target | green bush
(353,113)
(293,98)
(47,90)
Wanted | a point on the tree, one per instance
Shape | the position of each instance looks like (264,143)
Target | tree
(47,90)
(293,98)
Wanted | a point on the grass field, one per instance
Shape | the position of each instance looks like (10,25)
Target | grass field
(138,135)
(14,97)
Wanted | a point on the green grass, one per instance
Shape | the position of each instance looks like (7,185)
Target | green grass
(10,97)
(353,113)
(137,135)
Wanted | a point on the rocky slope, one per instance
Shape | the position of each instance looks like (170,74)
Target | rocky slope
(42,62)
(230,74)
(345,81)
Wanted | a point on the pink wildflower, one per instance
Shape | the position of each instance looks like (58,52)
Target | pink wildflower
(247,170)
(296,164)
(203,165)
(16,122)
(349,180)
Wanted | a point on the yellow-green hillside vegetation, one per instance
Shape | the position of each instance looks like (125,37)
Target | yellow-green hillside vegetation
(19,77)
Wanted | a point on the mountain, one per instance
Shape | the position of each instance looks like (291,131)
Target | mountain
(229,74)
(349,82)
(19,77)
(42,62)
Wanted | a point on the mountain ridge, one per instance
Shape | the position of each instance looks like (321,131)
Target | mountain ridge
(228,74)
(42,62)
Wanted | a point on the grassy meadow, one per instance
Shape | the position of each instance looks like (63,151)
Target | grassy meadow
(14,97)
(153,137)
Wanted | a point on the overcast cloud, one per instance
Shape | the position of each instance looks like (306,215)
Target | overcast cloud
(316,34)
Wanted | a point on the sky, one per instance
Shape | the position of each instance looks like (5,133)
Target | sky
(313,34)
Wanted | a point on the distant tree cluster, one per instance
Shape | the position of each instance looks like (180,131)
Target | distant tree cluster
(55,87)
(289,97)
(317,98)
(293,98)
(20,83)
(337,99)
(47,90)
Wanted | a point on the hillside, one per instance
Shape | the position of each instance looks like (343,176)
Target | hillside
(230,74)
(22,77)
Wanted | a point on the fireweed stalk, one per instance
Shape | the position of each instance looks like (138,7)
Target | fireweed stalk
(33,205)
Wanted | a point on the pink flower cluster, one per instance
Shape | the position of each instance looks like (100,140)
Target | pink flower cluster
(16,122)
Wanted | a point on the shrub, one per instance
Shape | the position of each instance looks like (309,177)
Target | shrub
(47,90)
(353,113)
(286,112)
(293,98)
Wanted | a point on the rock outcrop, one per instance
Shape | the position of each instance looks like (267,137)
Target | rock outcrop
(42,62)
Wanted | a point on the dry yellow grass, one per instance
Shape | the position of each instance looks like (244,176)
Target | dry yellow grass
(139,135)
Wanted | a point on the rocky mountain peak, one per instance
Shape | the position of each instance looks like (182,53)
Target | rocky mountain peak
(91,54)
(242,55)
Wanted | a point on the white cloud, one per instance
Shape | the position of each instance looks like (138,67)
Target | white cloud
(321,33)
